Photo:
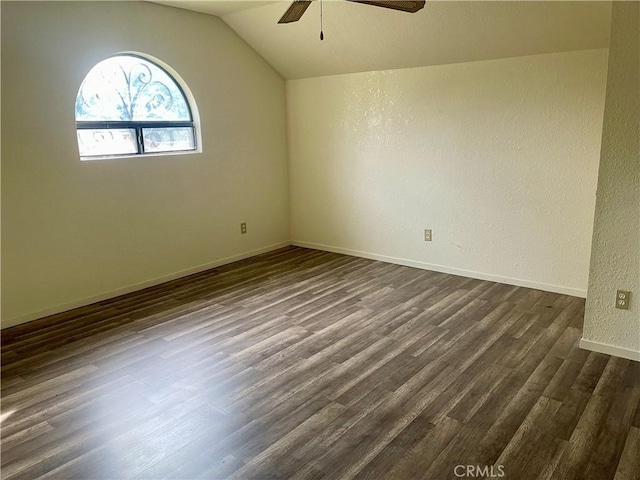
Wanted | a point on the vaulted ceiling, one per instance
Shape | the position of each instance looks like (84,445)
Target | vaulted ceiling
(363,38)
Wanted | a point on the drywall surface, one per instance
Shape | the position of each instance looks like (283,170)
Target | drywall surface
(499,158)
(615,258)
(72,230)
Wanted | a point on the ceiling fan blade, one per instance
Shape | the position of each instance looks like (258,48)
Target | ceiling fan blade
(295,11)
(410,6)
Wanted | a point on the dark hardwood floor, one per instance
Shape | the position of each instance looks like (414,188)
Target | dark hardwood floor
(311,365)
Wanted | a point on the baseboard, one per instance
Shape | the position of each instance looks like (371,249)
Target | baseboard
(575,292)
(610,349)
(12,322)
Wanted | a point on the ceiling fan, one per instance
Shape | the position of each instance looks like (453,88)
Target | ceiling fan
(298,7)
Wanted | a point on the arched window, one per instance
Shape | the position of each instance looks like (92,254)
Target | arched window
(128,105)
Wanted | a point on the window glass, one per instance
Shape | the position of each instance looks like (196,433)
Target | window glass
(168,139)
(103,141)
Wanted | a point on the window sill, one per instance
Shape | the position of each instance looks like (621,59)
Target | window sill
(138,155)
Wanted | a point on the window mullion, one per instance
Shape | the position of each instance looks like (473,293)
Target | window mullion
(140,140)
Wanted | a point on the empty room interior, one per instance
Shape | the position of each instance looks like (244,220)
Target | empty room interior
(328,239)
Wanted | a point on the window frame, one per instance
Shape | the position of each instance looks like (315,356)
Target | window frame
(139,125)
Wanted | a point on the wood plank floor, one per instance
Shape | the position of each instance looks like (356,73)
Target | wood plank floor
(310,365)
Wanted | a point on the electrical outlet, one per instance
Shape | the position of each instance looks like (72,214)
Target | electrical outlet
(622,299)
(427,234)
(243,228)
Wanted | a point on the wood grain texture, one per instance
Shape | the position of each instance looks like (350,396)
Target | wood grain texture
(311,365)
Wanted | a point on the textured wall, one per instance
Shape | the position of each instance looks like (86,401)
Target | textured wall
(615,259)
(75,230)
(499,158)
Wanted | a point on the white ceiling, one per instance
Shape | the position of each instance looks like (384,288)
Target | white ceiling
(215,7)
(364,38)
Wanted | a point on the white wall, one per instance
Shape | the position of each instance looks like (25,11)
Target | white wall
(75,231)
(499,158)
(615,258)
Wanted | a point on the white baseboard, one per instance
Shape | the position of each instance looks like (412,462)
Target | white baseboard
(443,269)
(11,322)
(6,323)
(610,349)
